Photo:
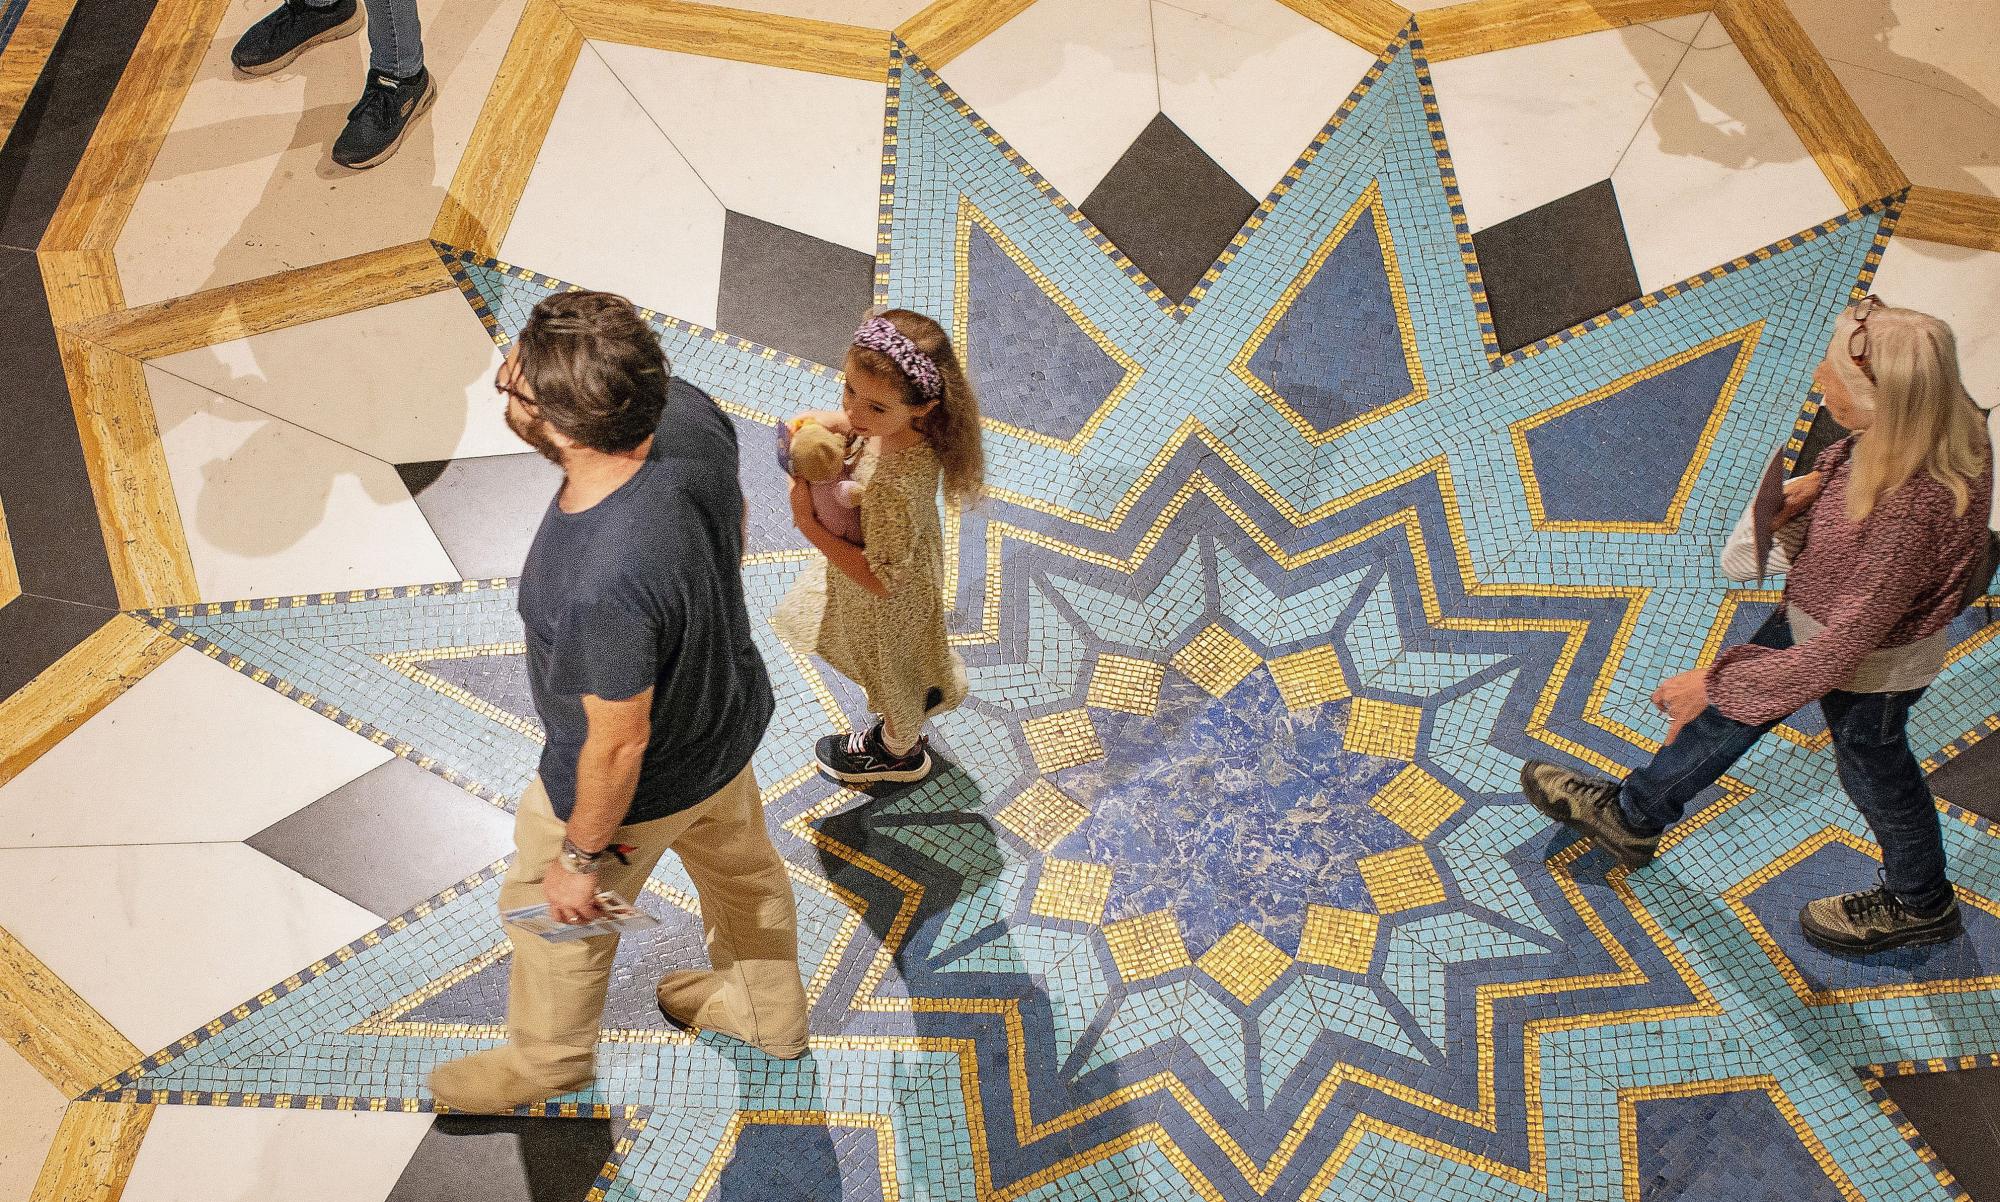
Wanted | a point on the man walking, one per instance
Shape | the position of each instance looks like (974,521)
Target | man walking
(653,697)
(399,88)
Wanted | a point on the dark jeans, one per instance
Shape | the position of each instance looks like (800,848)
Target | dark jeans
(1871,748)
(395,39)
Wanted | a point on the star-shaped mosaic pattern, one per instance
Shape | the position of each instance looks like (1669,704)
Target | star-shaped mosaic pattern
(1226,890)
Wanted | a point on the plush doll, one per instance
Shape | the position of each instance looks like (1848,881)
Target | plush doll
(820,457)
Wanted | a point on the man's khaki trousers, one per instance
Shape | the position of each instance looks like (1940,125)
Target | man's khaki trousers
(752,991)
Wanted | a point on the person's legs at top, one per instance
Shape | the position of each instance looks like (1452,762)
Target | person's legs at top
(1914,902)
(752,990)
(1627,819)
(290,30)
(399,89)
(555,991)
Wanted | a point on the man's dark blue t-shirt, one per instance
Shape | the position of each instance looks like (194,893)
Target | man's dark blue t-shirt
(645,588)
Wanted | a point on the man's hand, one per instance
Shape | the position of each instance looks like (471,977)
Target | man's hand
(802,506)
(1800,493)
(572,897)
(1682,699)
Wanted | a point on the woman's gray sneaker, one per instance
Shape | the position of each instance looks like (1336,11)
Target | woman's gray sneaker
(294,28)
(1589,806)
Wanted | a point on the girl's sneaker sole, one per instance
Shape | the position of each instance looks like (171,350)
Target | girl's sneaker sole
(897,776)
(351,25)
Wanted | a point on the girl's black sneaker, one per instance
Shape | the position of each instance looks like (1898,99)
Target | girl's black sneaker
(861,758)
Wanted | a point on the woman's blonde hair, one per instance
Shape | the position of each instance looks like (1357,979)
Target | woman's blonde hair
(952,428)
(1923,417)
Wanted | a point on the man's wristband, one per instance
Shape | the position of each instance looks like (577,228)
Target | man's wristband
(581,862)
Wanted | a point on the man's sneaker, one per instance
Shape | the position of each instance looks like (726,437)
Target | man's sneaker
(1588,806)
(1856,924)
(294,28)
(861,758)
(378,121)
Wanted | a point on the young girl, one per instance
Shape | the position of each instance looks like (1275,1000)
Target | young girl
(876,612)
(1893,542)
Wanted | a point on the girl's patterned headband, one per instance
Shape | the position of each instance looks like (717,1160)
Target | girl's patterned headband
(881,334)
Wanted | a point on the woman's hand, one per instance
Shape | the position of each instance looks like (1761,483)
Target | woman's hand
(802,507)
(1682,699)
(1800,493)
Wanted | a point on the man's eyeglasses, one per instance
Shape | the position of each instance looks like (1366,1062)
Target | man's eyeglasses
(1857,341)
(508,391)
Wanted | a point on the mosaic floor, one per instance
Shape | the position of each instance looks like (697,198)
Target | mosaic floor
(1363,420)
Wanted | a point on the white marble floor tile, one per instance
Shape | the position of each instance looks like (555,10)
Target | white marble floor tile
(1715,172)
(1251,81)
(612,204)
(234,1154)
(1938,136)
(244,186)
(161,939)
(405,383)
(272,509)
(817,164)
(30,1110)
(1958,285)
(165,763)
(1535,123)
(1025,78)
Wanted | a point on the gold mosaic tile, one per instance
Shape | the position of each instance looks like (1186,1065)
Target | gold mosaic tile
(1216,660)
(1401,879)
(1042,815)
(1072,889)
(1245,963)
(1383,728)
(1310,678)
(1147,946)
(1130,686)
(1416,801)
(1336,938)
(1062,740)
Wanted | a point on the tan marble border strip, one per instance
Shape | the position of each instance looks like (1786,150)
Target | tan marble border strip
(94,1149)
(53,1029)
(1481,27)
(824,47)
(274,302)
(27,53)
(95,673)
(1825,117)
(136,508)
(134,126)
(949,28)
(1957,218)
(1369,24)
(10,575)
(492,174)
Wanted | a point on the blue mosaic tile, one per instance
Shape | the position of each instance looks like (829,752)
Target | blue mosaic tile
(1735,1143)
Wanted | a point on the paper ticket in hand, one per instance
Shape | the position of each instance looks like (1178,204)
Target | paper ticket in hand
(619,915)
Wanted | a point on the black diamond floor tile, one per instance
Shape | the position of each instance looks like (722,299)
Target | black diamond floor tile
(484,511)
(1169,207)
(506,1160)
(791,290)
(390,838)
(1557,265)
(1959,1113)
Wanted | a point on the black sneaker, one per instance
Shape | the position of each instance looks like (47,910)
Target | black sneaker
(377,122)
(861,758)
(1855,924)
(272,43)
(1589,806)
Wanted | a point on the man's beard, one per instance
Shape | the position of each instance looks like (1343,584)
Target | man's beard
(535,432)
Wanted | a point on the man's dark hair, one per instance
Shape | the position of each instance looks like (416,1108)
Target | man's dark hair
(595,368)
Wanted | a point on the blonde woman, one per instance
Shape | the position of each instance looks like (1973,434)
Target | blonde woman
(1885,536)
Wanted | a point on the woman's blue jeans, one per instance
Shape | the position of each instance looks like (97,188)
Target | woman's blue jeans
(1871,749)
(395,36)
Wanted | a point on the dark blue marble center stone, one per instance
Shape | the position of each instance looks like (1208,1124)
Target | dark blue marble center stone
(1229,810)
